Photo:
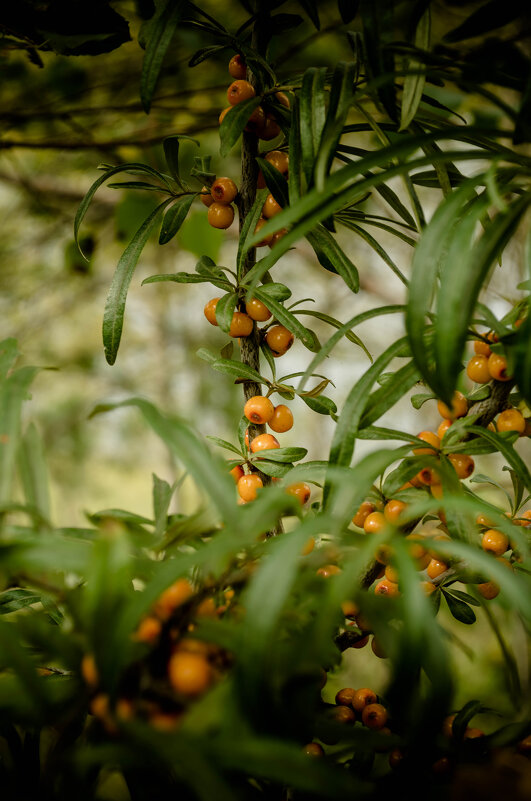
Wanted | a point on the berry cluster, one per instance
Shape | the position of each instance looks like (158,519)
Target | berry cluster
(218,200)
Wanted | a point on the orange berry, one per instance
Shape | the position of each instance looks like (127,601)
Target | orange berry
(282,419)
(481,348)
(279,340)
(495,542)
(248,486)
(343,714)
(477,369)
(314,750)
(256,120)
(396,757)
(459,407)
(279,160)
(99,706)
(210,311)
(483,520)
(443,428)
(276,236)
(175,595)
(431,439)
(220,215)
(523,519)
(237,473)
(349,608)
(386,587)
(241,325)
(498,367)
(89,671)
(383,554)
(264,442)
(441,766)
(124,709)
(374,716)
(328,570)
(270,129)
(391,574)
(511,420)
(237,67)
(436,568)
(282,99)
(363,512)
(472,734)
(416,547)
(447,726)
(257,310)
(258,409)
(428,476)
(164,721)
(223,191)
(267,239)
(239,91)
(362,698)
(488,589)
(223,114)
(148,630)
(428,587)
(300,490)
(205,197)
(271,207)
(207,608)
(374,522)
(462,464)
(377,649)
(190,674)
(344,696)
(308,547)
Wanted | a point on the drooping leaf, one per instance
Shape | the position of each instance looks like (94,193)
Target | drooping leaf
(234,122)
(332,257)
(289,320)
(13,392)
(171,153)
(174,218)
(459,609)
(161,30)
(414,83)
(341,96)
(489,17)
(225,310)
(33,471)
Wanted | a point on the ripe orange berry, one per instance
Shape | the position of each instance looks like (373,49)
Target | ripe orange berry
(270,129)
(267,239)
(523,519)
(237,67)
(210,311)
(481,348)
(374,716)
(447,726)
(428,587)
(396,757)
(256,121)
(248,486)
(223,190)
(276,236)
(328,570)
(349,608)
(374,522)
(257,310)
(436,568)
(443,428)
(190,674)
(237,473)
(308,547)
(428,476)
(239,90)
(99,706)
(241,325)
(462,464)
(483,520)
(362,698)
(488,589)
(205,197)
(498,367)
(314,750)
(300,490)
(89,671)
(344,696)
(511,420)
(377,649)
(207,608)
(472,733)
(258,409)
(393,509)
(416,546)
(495,542)
(343,714)
(280,160)
(175,595)
(431,439)
(391,574)
(223,114)
(264,442)
(363,512)
(477,369)
(279,340)
(459,407)
(220,215)
(386,587)
(148,630)
(271,207)
(282,419)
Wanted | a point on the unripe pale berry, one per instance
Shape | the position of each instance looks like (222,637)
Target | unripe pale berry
(248,486)
(220,215)
(223,190)
(241,325)
(264,442)
(257,310)
(279,340)
(210,311)
(282,419)
(238,91)
(237,67)
(477,369)
(258,409)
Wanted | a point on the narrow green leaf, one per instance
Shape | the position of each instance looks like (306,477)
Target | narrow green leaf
(332,257)
(312,117)
(161,30)
(489,17)
(248,229)
(458,609)
(321,404)
(414,83)
(385,398)
(187,278)
(223,443)
(276,183)
(33,471)
(234,122)
(8,355)
(279,292)
(281,455)
(238,370)
(513,458)
(162,493)
(375,245)
(341,96)
(289,320)
(174,218)
(295,163)
(326,318)
(13,392)
(225,310)
(115,304)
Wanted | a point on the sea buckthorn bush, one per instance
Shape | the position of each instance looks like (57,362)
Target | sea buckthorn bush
(202,655)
